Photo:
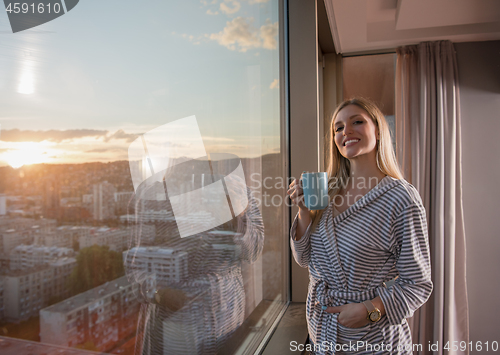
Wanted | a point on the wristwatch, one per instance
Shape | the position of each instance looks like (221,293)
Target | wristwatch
(374,314)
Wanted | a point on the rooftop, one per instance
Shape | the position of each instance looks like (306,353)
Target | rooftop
(88,297)
(156,250)
(38,268)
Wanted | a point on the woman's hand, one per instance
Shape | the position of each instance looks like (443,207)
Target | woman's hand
(297,195)
(351,315)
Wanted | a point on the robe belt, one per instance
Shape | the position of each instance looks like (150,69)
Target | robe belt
(326,296)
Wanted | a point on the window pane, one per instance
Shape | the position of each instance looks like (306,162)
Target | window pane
(141,178)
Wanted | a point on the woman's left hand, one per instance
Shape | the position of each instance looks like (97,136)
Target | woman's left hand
(351,315)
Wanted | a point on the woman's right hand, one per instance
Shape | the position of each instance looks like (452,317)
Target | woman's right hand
(297,194)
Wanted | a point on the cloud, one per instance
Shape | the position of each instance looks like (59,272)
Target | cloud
(57,136)
(239,34)
(218,139)
(120,134)
(227,10)
(190,38)
(275,84)
(186,36)
(210,12)
(268,33)
(258,1)
(107,149)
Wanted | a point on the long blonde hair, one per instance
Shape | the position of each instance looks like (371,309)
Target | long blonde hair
(339,167)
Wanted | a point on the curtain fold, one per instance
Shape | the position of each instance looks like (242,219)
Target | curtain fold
(429,151)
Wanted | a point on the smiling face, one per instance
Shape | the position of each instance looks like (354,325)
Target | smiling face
(355,133)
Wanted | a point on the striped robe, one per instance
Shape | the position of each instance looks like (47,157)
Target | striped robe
(353,254)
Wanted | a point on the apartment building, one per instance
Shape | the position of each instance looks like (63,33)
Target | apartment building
(17,231)
(27,291)
(116,239)
(102,316)
(4,261)
(103,201)
(63,236)
(145,232)
(150,215)
(27,256)
(168,265)
(122,201)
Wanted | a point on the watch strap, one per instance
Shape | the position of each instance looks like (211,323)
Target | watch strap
(369,306)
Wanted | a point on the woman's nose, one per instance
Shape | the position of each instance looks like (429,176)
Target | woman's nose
(347,129)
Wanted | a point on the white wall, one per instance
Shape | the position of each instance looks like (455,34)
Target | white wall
(479,76)
(53,328)
(11,298)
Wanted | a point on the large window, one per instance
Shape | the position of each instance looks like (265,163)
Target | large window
(142,177)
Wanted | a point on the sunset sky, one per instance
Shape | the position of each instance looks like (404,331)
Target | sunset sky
(82,87)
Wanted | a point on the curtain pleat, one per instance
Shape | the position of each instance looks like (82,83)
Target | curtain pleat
(429,151)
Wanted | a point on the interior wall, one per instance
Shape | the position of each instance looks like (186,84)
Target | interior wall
(479,80)
(371,77)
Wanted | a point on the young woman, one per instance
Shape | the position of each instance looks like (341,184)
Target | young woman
(368,251)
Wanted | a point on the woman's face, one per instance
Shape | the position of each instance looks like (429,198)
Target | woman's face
(355,132)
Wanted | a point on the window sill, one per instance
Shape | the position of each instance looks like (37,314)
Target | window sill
(292,329)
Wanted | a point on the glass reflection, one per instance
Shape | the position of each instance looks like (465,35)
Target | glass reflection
(74,98)
(192,288)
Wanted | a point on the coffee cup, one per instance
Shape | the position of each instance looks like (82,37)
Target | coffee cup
(315,188)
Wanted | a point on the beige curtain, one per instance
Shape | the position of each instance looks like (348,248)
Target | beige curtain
(429,150)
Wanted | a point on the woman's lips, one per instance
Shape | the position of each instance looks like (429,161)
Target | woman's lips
(350,142)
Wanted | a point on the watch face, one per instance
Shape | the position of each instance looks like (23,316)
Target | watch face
(374,316)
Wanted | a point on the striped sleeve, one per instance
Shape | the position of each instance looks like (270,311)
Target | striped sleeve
(413,286)
(301,249)
(252,240)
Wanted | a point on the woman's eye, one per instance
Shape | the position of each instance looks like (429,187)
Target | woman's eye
(338,129)
(358,122)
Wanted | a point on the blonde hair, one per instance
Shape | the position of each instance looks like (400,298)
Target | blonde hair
(339,167)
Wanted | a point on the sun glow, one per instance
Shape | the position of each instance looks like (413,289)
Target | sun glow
(26,154)
(26,83)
